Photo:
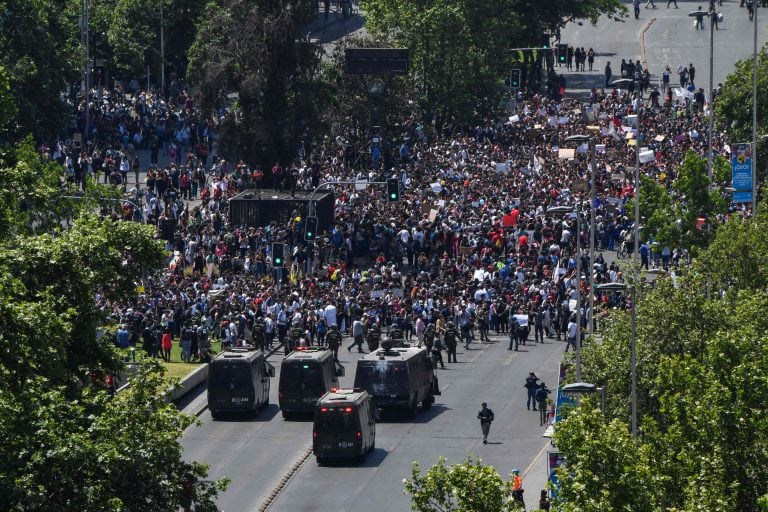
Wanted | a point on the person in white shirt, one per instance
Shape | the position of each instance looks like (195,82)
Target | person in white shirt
(330,315)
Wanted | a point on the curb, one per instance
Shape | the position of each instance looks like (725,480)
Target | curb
(642,42)
(194,379)
(273,495)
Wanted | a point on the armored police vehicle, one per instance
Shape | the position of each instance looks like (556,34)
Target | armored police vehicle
(398,377)
(238,381)
(306,374)
(344,427)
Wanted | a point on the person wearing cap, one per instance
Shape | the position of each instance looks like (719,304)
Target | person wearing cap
(531,384)
(517,486)
(486,417)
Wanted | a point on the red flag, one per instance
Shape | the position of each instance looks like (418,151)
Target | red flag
(508,220)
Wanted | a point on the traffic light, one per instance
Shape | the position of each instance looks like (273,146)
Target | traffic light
(562,53)
(514,78)
(310,228)
(278,255)
(544,43)
(393,190)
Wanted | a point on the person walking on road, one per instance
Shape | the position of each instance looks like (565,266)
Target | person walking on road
(672,2)
(450,339)
(437,352)
(486,417)
(333,338)
(699,20)
(357,335)
(571,334)
(531,384)
(541,399)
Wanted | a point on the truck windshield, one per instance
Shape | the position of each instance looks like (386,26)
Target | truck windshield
(382,377)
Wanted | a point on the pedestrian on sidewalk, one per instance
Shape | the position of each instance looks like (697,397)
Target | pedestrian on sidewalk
(531,384)
(544,503)
(517,487)
(542,394)
(486,417)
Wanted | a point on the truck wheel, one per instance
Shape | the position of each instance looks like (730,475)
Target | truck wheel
(427,402)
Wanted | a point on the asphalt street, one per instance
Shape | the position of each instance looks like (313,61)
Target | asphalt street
(257,453)
(665,37)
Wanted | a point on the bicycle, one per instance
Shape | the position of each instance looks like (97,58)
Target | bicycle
(622,251)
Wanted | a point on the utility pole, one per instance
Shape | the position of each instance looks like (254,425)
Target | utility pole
(638,138)
(162,53)
(591,269)
(86,68)
(754,113)
(711,95)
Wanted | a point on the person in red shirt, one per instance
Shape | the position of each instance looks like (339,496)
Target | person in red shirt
(167,344)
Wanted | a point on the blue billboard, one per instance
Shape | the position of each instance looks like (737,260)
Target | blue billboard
(741,172)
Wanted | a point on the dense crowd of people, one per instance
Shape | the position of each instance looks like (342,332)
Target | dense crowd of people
(472,246)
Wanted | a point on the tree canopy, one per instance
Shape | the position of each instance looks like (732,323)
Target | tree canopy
(702,384)
(469,486)
(250,49)
(67,443)
(460,50)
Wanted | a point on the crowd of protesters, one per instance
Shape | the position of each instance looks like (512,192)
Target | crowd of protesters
(469,249)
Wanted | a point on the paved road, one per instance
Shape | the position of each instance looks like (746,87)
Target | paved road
(664,37)
(255,454)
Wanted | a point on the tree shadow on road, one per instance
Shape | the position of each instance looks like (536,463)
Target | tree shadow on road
(264,415)
(403,416)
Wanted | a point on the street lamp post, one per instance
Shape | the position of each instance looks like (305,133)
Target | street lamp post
(84,30)
(592,197)
(162,53)
(711,15)
(754,112)
(564,210)
(617,287)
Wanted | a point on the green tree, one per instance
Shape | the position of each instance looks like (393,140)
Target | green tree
(470,486)
(39,52)
(701,349)
(68,445)
(249,49)
(123,30)
(733,108)
(95,452)
(460,49)
(604,469)
(737,258)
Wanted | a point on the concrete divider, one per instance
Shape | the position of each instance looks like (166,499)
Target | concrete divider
(188,383)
